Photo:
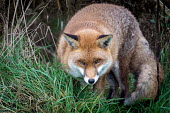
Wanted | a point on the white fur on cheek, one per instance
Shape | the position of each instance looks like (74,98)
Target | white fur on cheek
(103,68)
(74,70)
(81,70)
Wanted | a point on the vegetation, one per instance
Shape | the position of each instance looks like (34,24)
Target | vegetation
(31,81)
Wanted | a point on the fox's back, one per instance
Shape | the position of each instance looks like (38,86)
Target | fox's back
(105,17)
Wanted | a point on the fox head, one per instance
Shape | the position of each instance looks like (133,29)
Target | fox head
(90,56)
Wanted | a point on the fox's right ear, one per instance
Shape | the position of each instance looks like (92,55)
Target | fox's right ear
(72,40)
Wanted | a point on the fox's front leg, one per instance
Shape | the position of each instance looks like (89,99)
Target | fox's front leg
(118,77)
(100,85)
(114,84)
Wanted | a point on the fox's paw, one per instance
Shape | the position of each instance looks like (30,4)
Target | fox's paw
(131,99)
(128,102)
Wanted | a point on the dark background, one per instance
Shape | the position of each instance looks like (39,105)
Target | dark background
(152,15)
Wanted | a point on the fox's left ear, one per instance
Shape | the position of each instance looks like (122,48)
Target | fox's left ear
(72,40)
(103,41)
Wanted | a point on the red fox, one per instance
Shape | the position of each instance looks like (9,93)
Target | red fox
(104,42)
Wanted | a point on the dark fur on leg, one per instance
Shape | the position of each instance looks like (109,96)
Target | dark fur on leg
(113,85)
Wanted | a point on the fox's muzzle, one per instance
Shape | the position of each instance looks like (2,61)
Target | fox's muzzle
(91,80)
(91,76)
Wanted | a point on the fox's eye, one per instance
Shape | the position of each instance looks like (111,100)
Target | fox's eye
(82,63)
(97,61)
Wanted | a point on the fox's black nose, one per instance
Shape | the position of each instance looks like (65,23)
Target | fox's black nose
(91,81)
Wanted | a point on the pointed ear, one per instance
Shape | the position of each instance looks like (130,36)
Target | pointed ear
(103,41)
(72,40)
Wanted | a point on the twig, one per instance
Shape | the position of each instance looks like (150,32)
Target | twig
(167,10)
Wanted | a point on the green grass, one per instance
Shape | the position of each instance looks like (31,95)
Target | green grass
(30,84)
(26,86)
